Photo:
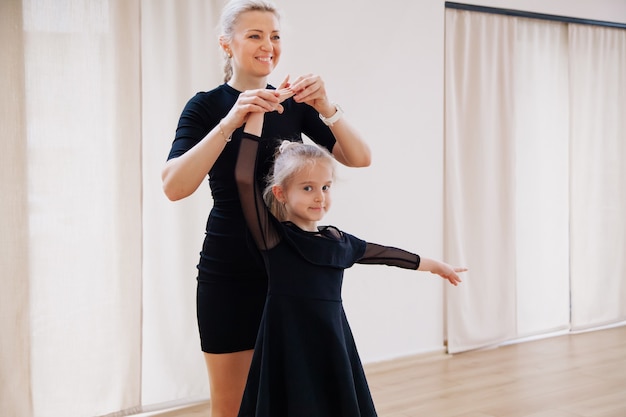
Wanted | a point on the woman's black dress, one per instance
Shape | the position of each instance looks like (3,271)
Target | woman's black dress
(305,361)
(232,283)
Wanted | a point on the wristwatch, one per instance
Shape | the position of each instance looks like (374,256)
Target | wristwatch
(329,121)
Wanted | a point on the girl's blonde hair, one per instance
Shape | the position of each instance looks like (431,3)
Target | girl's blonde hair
(290,159)
(230,14)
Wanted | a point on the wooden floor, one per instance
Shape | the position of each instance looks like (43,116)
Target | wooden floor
(580,375)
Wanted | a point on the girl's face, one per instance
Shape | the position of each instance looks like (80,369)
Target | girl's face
(255,46)
(307,196)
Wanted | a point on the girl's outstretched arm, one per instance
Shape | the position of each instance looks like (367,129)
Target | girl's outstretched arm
(387,255)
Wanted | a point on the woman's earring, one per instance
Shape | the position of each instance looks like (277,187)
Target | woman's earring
(228,54)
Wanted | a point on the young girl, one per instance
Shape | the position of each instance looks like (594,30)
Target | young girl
(305,361)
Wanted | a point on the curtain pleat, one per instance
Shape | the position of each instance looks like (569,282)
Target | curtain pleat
(82,177)
(15,354)
(479,177)
(541,136)
(598,200)
(180,57)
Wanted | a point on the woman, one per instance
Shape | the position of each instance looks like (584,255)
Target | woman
(232,283)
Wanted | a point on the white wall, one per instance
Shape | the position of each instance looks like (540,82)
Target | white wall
(384,64)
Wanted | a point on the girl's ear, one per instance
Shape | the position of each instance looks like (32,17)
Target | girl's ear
(279,193)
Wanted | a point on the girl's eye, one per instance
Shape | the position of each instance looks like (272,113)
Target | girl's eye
(326,188)
(308,188)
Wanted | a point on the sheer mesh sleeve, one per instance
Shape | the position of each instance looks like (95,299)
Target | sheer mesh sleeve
(260,221)
(386,255)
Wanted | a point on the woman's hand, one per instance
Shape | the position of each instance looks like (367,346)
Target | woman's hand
(251,101)
(310,89)
(256,101)
(350,149)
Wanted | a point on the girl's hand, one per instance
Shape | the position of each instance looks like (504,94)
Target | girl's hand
(252,101)
(450,273)
(442,269)
(310,89)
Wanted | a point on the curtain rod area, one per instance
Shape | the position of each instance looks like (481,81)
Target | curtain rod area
(532,15)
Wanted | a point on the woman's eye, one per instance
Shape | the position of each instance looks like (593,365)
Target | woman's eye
(276,37)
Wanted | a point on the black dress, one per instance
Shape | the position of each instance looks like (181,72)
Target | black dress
(305,361)
(232,283)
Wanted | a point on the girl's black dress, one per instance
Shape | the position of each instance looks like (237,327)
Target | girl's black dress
(232,283)
(305,361)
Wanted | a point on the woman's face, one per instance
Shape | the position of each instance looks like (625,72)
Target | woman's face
(255,46)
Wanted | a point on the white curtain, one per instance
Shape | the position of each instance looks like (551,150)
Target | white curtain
(71,115)
(84,197)
(15,393)
(598,184)
(94,319)
(173,71)
(512,169)
(480,207)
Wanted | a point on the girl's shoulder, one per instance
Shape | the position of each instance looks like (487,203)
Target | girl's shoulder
(331,231)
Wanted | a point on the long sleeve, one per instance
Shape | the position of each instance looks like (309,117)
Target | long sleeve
(386,255)
(261,223)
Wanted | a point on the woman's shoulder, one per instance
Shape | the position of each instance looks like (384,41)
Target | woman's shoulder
(213,102)
(222,91)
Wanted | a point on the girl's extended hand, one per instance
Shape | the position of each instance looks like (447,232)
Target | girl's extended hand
(450,273)
(442,269)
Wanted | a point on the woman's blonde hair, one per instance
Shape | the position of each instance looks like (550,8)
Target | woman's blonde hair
(230,14)
(290,159)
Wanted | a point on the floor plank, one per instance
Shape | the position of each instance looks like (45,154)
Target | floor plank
(576,375)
